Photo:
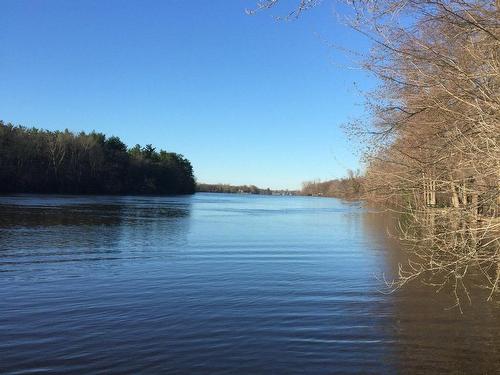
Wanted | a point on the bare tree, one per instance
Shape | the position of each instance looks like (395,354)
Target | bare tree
(433,145)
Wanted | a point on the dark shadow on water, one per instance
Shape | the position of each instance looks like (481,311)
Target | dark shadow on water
(37,230)
(428,334)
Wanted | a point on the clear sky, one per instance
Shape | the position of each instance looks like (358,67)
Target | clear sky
(247,99)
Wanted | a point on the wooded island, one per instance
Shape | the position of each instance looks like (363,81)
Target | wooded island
(42,161)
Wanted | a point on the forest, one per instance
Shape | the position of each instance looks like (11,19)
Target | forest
(42,161)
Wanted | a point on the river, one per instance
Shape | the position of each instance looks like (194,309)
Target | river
(216,283)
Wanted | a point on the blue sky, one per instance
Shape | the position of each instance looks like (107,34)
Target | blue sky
(247,99)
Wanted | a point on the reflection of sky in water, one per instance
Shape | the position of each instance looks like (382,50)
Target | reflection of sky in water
(219,283)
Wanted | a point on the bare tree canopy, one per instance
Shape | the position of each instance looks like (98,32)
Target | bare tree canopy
(433,142)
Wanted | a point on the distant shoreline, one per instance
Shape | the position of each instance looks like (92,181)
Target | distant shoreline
(242,189)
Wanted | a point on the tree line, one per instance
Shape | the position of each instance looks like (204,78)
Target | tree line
(41,161)
(231,189)
(433,146)
(348,188)
(432,139)
(241,189)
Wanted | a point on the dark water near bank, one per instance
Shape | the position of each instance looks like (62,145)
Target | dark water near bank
(220,284)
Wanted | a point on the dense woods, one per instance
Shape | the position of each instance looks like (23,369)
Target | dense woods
(433,140)
(41,161)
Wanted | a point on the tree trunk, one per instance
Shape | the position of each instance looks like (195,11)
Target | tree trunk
(455,201)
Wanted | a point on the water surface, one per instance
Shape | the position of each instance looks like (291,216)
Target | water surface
(220,284)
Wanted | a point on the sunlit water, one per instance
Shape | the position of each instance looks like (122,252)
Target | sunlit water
(212,283)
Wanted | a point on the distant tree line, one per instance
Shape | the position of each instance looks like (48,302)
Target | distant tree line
(350,187)
(231,189)
(241,189)
(42,161)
